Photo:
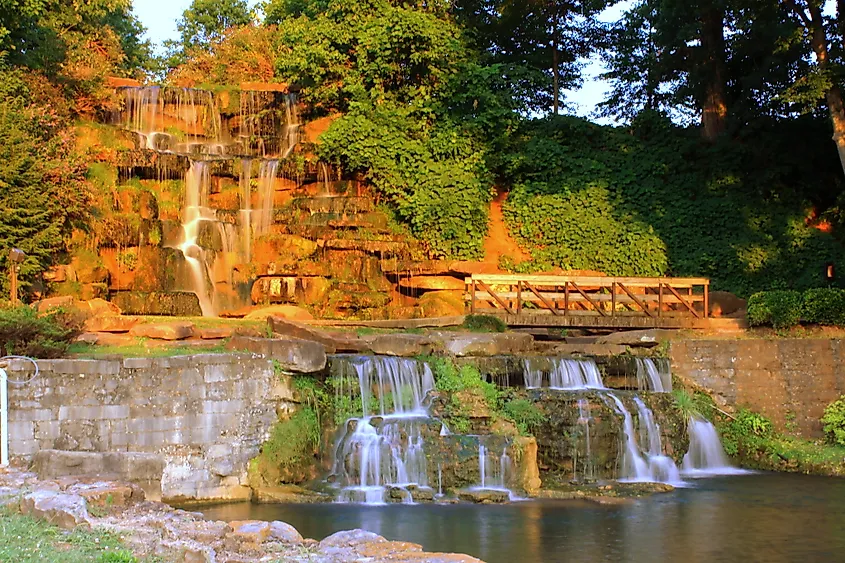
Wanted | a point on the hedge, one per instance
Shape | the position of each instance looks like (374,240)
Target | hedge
(784,309)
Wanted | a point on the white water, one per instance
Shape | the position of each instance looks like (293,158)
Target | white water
(706,456)
(654,374)
(561,374)
(584,420)
(245,184)
(385,449)
(638,465)
(494,471)
(196,193)
(267,174)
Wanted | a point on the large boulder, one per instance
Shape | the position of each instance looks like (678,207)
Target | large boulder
(293,354)
(179,330)
(67,511)
(111,323)
(441,283)
(498,344)
(333,341)
(403,345)
(442,304)
(291,312)
(171,303)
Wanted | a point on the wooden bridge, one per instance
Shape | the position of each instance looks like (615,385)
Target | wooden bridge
(591,301)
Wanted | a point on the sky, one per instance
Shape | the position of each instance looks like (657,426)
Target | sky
(160,16)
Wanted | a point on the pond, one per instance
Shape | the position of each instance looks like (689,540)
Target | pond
(759,517)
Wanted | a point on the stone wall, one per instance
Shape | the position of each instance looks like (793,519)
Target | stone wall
(205,415)
(789,380)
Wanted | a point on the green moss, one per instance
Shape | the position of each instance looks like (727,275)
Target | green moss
(525,414)
(293,441)
(484,323)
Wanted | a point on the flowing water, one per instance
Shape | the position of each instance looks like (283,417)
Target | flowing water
(196,211)
(776,518)
(706,456)
(654,374)
(561,373)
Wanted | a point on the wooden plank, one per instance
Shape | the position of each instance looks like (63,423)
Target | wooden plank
(588,280)
(594,296)
(545,301)
(489,291)
(682,300)
(637,301)
(587,297)
(472,299)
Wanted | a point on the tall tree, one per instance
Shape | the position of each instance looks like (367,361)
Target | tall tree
(204,23)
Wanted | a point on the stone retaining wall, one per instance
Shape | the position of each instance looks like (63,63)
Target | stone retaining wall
(789,380)
(206,415)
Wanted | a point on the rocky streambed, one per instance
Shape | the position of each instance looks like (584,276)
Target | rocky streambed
(154,529)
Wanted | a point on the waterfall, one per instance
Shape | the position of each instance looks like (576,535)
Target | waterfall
(385,448)
(651,466)
(267,173)
(196,194)
(706,455)
(584,420)
(493,470)
(561,373)
(290,133)
(245,185)
(654,374)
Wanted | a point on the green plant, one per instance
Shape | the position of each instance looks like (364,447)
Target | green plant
(780,309)
(484,323)
(746,430)
(293,441)
(525,414)
(685,404)
(833,421)
(25,332)
(122,556)
(824,306)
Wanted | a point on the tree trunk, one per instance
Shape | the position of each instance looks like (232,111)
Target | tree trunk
(715,106)
(835,104)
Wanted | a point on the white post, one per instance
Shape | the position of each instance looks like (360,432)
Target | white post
(4,419)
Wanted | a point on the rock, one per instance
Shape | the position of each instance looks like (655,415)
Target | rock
(484,496)
(288,494)
(725,304)
(179,330)
(334,342)
(65,301)
(67,511)
(215,333)
(111,323)
(301,356)
(172,303)
(403,345)
(442,304)
(107,494)
(447,283)
(250,531)
(643,338)
(509,343)
(283,532)
(100,307)
(350,538)
(530,472)
(291,312)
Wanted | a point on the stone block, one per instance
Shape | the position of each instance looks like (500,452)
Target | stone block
(293,354)
(462,344)
(111,323)
(164,331)
(66,511)
(20,414)
(403,345)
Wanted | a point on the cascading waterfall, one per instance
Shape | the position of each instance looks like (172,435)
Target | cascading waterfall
(493,469)
(661,467)
(562,373)
(584,420)
(267,173)
(196,190)
(706,456)
(654,374)
(385,447)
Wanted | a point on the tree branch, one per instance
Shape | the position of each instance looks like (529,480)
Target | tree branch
(802,15)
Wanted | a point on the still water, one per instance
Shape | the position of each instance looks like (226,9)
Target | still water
(760,517)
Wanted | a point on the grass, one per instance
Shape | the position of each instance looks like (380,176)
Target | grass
(140,349)
(25,540)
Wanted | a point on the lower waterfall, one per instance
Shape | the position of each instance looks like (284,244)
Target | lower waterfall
(706,456)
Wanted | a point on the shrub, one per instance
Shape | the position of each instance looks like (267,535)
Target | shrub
(834,422)
(747,430)
(781,309)
(484,323)
(525,414)
(25,332)
(824,306)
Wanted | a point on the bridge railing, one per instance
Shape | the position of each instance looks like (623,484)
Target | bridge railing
(588,295)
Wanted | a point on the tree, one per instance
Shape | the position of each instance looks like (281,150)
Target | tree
(822,81)
(205,23)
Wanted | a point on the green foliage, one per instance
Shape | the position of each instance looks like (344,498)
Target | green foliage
(780,309)
(484,323)
(26,540)
(204,24)
(453,381)
(653,199)
(833,421)
(824,306)
(293,441)
(745,429)
(525,414)
(25,332)
(685,404)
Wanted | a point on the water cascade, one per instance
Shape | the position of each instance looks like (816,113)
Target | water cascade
(245,185)
(654,374)
(562,373)
(196,211)
(706,456)
(584,420)
(384,449)
(267,174)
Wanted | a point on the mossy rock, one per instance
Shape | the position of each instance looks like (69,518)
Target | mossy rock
(176,304)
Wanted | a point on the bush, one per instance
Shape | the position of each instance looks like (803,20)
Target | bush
(834,422)
(824,306)
(525,414)
(746,431)
(484,323)
(25,332)
(781,309)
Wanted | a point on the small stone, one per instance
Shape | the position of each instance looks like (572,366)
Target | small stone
(111,323)
(67,511)
(250,531)
(350,538)
(215,333)
(484,496)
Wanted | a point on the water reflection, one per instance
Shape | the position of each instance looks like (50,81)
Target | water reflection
(773,518)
